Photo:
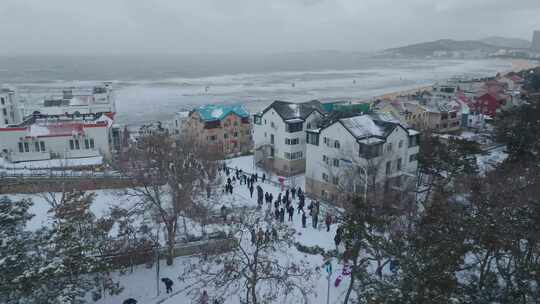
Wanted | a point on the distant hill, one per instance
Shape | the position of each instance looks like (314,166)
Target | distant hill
(440,47)
(505,42)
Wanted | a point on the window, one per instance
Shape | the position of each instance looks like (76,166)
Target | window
(36,146)
(370,151)
(264,134)
(388,167)
(257,120)
(272,139)
(325,177)
(235,134)
(335,180)
(308,125)
(86,143)
(400,143)
(225,135)
(413,141)
(444,116)
(91,143)
(312,138)
(4,111)
(325,159)
(336,162)
(389,147)
(26,147)
(398,164)
(3,100)
(453,115)
(21,149)
(265,121)
(294,155)
(212,138)
(413,157)
(6,121)
(272,124)
(292,141)
(42,145)
(71,144)
(337,144)
(77,146)
(294,127)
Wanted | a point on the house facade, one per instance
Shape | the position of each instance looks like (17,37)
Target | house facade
(279,135)
(223,128)
(43,137)
(352,154)
(10,113)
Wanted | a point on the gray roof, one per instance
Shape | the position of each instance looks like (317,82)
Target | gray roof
(289,110)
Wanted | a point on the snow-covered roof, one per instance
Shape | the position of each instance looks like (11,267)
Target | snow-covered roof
(412,132)
(371,141)
(294,120)
(362,126)
(218,112)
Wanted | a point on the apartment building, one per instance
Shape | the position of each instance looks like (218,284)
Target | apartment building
(224,128)
(279,135)
(351,154)
(44,137)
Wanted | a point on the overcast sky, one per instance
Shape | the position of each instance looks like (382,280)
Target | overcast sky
(222,26)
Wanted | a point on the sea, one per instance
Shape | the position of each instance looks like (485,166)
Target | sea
(154,87)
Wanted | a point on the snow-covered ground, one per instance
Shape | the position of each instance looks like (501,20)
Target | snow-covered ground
(141,283)
(53,163)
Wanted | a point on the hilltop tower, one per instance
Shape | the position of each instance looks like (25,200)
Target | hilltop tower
(535,46)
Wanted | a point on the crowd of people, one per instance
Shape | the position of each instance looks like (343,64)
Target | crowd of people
(291,201)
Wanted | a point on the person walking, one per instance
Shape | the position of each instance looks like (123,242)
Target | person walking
(304,219)
(282,215)
(263,177)
(204,298)
(253,236)
(314,220)
(168,284)
(293,192)
(291,212)
(251,191)
(337,238)
(328,221)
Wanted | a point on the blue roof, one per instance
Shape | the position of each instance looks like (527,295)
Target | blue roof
(218,112)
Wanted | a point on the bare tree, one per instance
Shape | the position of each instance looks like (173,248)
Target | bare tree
(255,270)
(170,176)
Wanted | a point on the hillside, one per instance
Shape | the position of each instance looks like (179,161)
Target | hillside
(505,42)
(434,48)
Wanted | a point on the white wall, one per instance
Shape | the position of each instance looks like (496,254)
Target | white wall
(59,145)
(315,167)
(263,132)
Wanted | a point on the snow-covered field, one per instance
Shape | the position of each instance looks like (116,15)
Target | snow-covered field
(141,283)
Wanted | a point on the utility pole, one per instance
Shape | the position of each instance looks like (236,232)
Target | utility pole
(157,261)
(328,268)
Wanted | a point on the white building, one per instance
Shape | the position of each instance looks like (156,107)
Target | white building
(348,154)
(279,135)
(42,137)
(10,112)
(97,99)
(179,122)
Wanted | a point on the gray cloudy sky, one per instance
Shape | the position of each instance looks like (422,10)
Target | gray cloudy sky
(215,26)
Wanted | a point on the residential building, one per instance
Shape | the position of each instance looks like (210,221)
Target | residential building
(351,154)
(43,137)
(81,100)
(412,113)
(489,104)
(10,112)
(279,135)
(224,128)
(180,119)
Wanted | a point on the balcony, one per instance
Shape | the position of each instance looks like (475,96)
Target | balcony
(28,156)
